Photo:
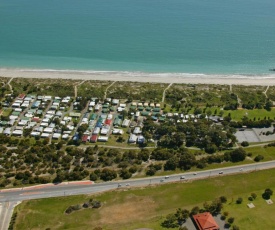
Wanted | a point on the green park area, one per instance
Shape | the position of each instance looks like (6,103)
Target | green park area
(147,207)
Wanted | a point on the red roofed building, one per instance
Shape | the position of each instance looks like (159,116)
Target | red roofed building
(21,96)
(85,138)
(205,221)
(108,122)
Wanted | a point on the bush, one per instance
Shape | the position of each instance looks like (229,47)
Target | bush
(151,171)
(267,194)
(93,176)
(258,158)
(223,217)
(95,203)
(225,213)
(223,199)
(73,208)
(254,195)
(239,200)
(231,220)
(244,144)
(250,198)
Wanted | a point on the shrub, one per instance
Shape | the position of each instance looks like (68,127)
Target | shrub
(267,194)
(231,220)
(225,213)
(239,200)
(72,208)
(258,158)
(223,199)
(244,144)
(254,195)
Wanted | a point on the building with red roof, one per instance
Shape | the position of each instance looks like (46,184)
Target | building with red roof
(85,138)
(93,138)
(108,122)
(205,221)
(21,96)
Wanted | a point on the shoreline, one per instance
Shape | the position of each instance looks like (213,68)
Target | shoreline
(181,78)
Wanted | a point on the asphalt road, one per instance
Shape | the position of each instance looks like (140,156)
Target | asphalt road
(9,197)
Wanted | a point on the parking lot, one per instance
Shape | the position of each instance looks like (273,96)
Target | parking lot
(248,135)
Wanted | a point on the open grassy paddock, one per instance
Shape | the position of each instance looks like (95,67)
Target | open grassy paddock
(146,207)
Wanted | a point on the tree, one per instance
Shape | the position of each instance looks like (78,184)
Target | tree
(268,105)
(125,174)
(267,194)
(254,195)
(235,155)
(170,221)
(120,139)
(195,210)
(182,215)
(231,220)
(244,144)
(150,171)
(239,200)
(186,161)
(223,199)
(93,176)
(171,164)
(108,174)
(144,154)
(235,227)
(258,158)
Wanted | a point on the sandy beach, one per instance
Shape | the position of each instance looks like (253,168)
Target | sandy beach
(141,77)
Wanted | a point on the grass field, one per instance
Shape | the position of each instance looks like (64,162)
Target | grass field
(147,207)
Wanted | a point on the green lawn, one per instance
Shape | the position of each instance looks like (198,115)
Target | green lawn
(147,207)
(251,114)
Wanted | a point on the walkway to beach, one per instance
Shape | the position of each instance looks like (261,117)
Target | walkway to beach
(75,87)
(266,91)
(106,91)
(164,91)
(10,85)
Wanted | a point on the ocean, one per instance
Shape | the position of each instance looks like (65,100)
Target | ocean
(176,36)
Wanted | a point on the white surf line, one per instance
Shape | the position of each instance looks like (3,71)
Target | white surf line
(75,88)
(266,91)
(105,94)
(164,91)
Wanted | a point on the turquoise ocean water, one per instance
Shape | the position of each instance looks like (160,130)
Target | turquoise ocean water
(186,36)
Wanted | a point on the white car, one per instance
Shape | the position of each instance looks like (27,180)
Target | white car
(194,173)
(166,177)
(127,184)
(221,172)
(241,169)
(182,177)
